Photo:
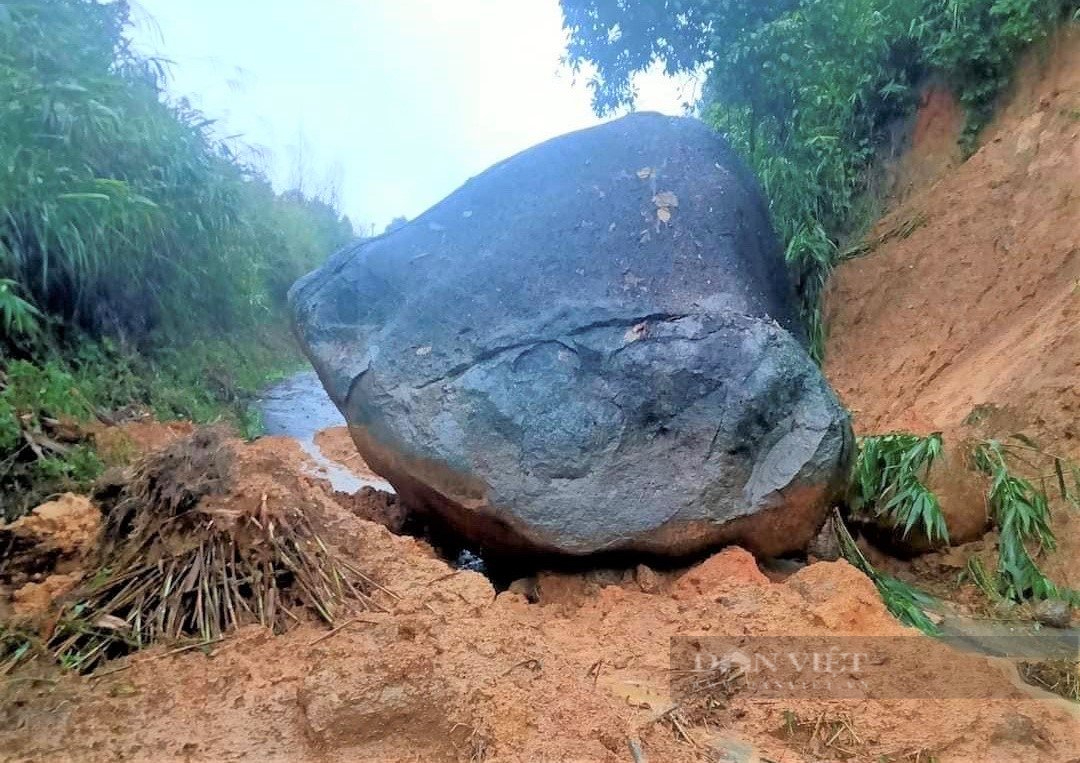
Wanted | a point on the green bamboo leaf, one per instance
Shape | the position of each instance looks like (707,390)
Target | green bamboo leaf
(1059,470)
(84,197)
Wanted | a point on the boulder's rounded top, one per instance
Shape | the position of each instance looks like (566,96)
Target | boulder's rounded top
(590,346)
(644,215)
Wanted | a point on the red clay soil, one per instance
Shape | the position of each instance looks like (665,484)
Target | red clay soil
(976,310)
(935,146)
(44,554)
(964,320)
(337,445)
(119,444)
(450,671)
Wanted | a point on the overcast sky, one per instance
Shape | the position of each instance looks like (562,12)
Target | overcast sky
(395,102)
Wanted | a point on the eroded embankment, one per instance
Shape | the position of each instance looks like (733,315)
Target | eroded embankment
(963,318)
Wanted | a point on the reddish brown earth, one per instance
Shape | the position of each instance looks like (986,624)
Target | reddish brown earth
(44,553)
(451,671)
(975,308)
(968,325)
(337,445)
(119,444)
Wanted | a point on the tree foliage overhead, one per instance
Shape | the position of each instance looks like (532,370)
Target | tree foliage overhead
(806,90)
(624,37)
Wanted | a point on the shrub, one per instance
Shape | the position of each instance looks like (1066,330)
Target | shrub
(122,214)
(141,261)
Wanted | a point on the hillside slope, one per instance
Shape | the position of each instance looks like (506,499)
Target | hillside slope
(972,316)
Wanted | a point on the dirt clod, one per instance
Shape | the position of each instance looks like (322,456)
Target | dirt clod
(54,538)
(1053,612)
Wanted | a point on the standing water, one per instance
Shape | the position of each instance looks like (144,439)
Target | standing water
(299,407)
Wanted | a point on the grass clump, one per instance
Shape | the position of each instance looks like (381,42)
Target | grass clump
(43,448)
(889,484)
(50,407)
(1021,512)
(143,263)
(176,560)
(123,214)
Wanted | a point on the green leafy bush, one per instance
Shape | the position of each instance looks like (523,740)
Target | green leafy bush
(33,464)
(142,263)
(207,381)
(976,43)
(122,214)
(889,483)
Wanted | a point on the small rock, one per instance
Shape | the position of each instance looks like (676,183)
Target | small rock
(526,588)
(471,562)
(648,581)
(34,599)
(825,545)
(733,567)
(1054,613)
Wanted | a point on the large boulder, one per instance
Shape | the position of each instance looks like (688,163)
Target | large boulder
(592,346)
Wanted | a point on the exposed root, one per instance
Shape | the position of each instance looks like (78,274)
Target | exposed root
(832,737)
(705,694)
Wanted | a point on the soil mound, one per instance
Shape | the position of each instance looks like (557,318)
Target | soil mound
(337,445)
(964,320)
(971,318)
(453,671)
(44,553)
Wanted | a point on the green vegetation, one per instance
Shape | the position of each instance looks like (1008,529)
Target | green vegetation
(889,483)
(142,263)
(907,604)
(17,646)
(809,91)
(1021,512)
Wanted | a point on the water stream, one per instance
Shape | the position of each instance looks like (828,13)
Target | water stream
(299,407)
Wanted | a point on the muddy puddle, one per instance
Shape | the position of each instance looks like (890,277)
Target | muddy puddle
(299,407)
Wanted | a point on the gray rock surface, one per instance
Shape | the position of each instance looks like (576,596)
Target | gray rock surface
(591,346)
(1055,613)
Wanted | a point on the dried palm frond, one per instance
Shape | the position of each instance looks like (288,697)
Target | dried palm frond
(179,561)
